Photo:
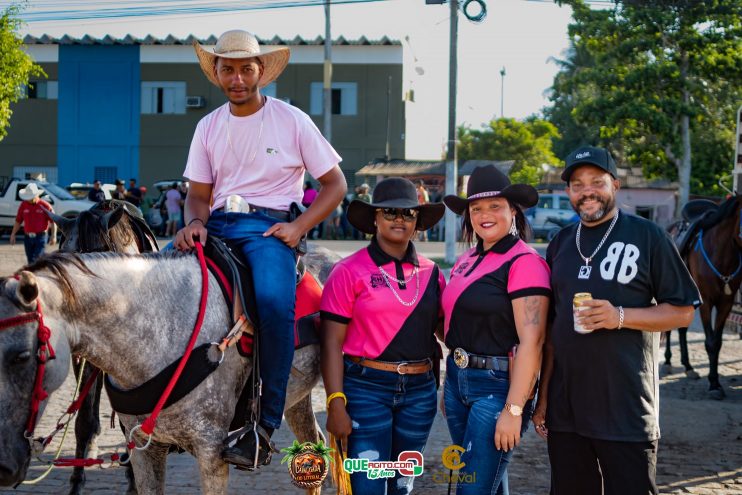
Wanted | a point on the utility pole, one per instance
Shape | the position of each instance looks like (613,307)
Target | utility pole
(327,82)
(388,118)
(502,92)
(451,155)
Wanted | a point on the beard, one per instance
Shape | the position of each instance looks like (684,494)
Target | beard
(607,205)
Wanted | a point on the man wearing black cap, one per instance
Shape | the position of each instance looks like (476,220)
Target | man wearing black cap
(599,397)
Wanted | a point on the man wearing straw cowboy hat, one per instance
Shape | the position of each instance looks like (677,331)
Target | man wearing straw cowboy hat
(35,222)
(246,167)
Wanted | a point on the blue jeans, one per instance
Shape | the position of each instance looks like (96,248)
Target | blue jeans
(390,413)
(273,266)
(474,399)
(34,246)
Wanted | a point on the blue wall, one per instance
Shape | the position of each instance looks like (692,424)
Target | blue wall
(99,108)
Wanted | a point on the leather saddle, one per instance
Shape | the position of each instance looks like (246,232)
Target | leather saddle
(698,214)
(235,278)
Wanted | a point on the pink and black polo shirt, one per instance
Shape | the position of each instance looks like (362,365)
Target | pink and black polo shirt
(477,302)
(379,326)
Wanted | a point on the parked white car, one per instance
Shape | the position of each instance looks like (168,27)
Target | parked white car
(552,212)
(63,202)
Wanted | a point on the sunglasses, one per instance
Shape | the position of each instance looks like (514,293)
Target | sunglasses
(391,214)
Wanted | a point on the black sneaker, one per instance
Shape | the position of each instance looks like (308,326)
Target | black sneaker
(242,452)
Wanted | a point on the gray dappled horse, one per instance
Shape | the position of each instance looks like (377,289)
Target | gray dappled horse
(126,315)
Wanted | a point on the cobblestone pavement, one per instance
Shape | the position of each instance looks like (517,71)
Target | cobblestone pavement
(700,450)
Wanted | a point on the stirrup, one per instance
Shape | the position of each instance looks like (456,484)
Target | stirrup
(267,447)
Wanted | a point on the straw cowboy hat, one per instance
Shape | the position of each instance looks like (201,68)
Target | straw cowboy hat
(394,192)
(488,182)
(30,192)
(241,44)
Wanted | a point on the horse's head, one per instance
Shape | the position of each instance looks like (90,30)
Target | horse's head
(18,367)
(97,230)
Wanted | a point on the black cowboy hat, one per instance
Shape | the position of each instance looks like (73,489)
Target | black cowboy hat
(488,182)
(394,192)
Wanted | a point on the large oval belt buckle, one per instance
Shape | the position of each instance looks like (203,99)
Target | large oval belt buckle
(460,357)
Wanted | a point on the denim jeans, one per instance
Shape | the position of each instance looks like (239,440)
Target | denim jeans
(34,246)
(273,266)
(474,399)
(390,413)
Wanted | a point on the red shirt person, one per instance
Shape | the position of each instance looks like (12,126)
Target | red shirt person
(31,214)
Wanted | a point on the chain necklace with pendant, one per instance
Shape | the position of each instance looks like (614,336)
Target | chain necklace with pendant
(415,273)
(260,133)
(585,270)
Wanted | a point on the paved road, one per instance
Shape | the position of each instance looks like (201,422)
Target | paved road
(700,452)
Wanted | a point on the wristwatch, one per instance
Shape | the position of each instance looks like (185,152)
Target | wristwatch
(513,409)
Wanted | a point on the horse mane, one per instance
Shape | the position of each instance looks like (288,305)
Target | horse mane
(93,236)
(727,208)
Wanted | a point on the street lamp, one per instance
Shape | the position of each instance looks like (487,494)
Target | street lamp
(502,92)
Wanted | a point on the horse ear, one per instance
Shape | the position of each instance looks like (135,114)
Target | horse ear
(64,224)
(28,289)
(112,217)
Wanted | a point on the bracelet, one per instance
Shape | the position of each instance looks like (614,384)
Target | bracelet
(335,395)
(620,318)
(202,222)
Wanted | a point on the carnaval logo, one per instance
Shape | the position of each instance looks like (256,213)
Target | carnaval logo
(408,463)
(451,457)
(308,463)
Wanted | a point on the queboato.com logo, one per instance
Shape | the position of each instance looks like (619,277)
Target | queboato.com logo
(408,463)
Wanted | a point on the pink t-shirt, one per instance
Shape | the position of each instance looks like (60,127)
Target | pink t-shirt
(261,157)
(379,326)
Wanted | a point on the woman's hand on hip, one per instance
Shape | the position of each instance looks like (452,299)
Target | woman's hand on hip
(507,431)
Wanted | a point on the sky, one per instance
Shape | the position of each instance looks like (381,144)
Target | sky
(523,36)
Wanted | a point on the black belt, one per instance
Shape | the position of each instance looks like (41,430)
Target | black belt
(465,359)
(277,214)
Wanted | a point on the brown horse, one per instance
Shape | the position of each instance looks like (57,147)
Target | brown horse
(714,259)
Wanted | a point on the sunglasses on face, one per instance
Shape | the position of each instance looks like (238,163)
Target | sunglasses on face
(391,214)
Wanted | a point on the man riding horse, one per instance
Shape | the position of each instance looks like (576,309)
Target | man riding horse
(246,167)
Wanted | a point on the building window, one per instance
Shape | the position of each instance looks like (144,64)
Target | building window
(106,175)
(344,98)
(163,97)
(42,90)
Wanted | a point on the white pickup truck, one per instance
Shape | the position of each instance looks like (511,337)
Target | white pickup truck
(63,202)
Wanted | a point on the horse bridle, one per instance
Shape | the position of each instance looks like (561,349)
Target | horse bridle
(44,354)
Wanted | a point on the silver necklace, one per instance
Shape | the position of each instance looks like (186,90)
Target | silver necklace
(393,279)
(260,134)
(415,273)
(585,269)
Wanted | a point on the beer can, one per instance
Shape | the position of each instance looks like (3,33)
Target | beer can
(577,306)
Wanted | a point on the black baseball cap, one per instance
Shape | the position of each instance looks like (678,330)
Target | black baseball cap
(589,155)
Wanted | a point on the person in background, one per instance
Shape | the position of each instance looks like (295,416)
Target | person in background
(173,203)
(96,194)
(422,197)
(31,214)
(134,194)
(495,308)
(380,309)
(119,193)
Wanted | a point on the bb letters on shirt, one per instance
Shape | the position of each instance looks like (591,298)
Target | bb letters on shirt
(621,256)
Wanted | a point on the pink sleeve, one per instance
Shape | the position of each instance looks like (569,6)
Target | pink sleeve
(529,275)
(198,166)
(318,155)
(338,296)
(442,285)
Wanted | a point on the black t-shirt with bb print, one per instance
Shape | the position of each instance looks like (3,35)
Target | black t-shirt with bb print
(605,384)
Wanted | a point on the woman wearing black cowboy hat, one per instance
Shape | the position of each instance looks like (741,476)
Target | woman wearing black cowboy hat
(380,309)
(496,299)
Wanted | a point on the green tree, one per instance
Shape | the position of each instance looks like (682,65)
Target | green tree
(655,81)
(529,143)
(16,66)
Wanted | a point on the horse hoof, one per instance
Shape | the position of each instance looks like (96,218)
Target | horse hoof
(666,368)
(716,394)
(692,374)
